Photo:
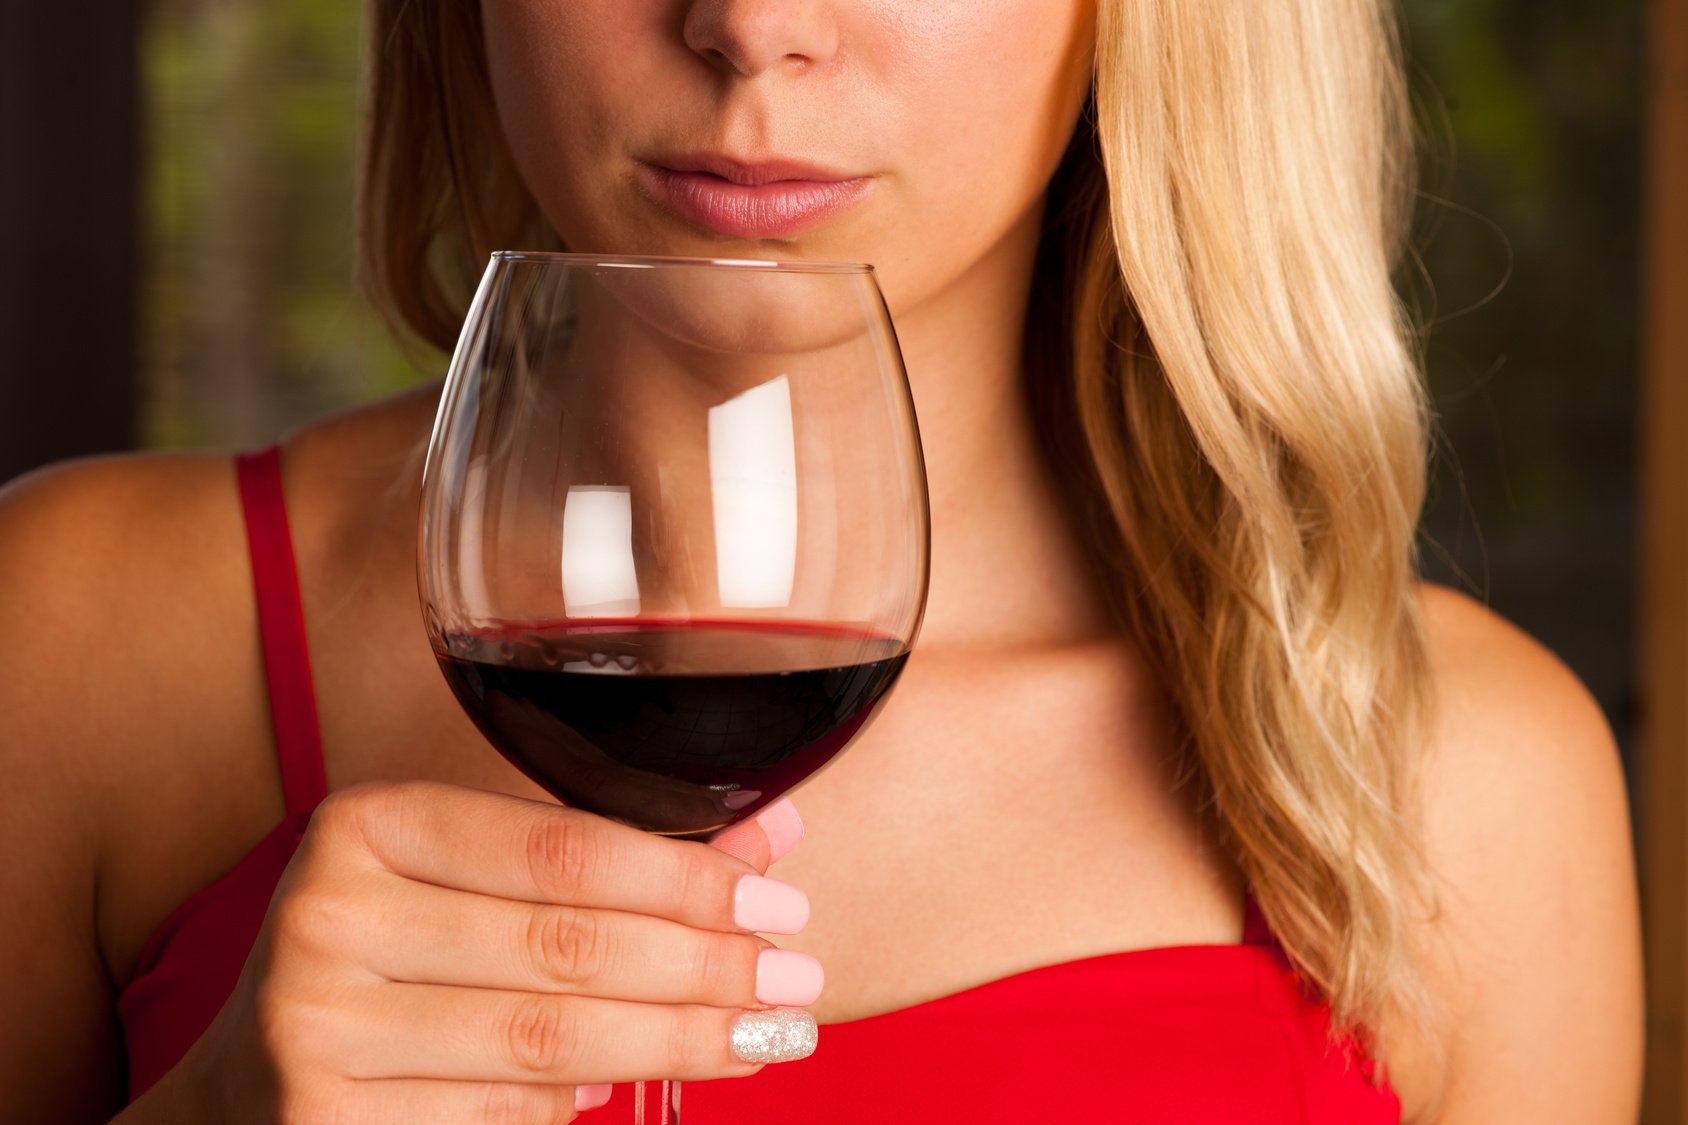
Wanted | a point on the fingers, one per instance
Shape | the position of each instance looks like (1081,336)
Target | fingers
(525,850)
(491,1036)
(501,944)
(431,937)
(406,1100)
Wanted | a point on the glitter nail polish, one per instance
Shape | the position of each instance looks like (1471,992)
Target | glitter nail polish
(778,1035)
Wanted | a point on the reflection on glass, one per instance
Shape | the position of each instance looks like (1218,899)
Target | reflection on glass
(753,484)
(470,543)
(599,578)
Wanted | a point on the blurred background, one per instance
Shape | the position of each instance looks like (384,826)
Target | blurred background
(1526,291)
(176,271)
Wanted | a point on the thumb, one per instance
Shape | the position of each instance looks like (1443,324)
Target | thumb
(764,838)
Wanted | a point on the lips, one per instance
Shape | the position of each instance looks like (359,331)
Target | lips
(768,199)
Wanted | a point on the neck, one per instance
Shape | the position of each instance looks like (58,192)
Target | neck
(1007,564)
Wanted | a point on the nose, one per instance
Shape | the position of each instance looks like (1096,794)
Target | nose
(747,37)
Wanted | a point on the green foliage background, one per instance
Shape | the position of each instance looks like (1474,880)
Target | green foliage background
(252,321)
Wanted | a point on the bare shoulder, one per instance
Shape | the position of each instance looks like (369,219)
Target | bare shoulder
(1517,745)
(1487,670)
(1515,735)
(127,578)
(1532,943)
(117,593)
(90,546)
(99,557)
(94,516)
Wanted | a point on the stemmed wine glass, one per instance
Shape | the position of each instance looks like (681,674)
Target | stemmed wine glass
(674,539)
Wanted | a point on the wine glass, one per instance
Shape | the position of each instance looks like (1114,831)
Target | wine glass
(674,538)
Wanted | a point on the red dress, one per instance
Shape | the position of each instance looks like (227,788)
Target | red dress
(1193,1035)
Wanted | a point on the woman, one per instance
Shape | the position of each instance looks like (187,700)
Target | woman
(1191,805)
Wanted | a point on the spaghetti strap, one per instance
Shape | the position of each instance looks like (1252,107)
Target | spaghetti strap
(281,631)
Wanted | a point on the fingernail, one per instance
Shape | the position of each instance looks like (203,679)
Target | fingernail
(591,1097)
(783,827)
(785,977)
(782,1035)
(768,906)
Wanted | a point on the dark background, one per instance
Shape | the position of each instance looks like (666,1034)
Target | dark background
(1529,235)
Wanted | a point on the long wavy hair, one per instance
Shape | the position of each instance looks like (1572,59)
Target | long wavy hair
(1216,353)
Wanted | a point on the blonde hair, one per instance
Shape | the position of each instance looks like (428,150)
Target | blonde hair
(1216,327)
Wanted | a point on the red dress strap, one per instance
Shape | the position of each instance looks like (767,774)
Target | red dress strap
(281,630)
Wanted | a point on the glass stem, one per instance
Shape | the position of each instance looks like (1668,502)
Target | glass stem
(667,1107)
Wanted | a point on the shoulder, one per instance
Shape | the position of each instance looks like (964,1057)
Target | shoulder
(106,516)
(96,554)
(114,601)
(1532,939)
(1517,750)
(1514,735)
(126,596)
(1486,670)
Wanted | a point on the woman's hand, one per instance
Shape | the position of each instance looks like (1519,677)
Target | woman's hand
(442,954)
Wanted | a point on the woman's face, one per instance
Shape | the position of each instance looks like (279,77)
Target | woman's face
(915,134)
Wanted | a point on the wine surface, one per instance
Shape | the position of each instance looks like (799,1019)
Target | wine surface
(679,728)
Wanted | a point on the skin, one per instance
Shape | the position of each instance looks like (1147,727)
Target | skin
(139,755)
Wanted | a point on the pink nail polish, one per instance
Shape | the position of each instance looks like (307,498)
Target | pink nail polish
(591,1097)
(788,979)
(783,827)
(763,905)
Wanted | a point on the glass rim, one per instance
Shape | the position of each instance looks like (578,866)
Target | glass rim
(660,261)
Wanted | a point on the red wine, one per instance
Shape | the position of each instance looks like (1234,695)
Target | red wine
(680,728)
